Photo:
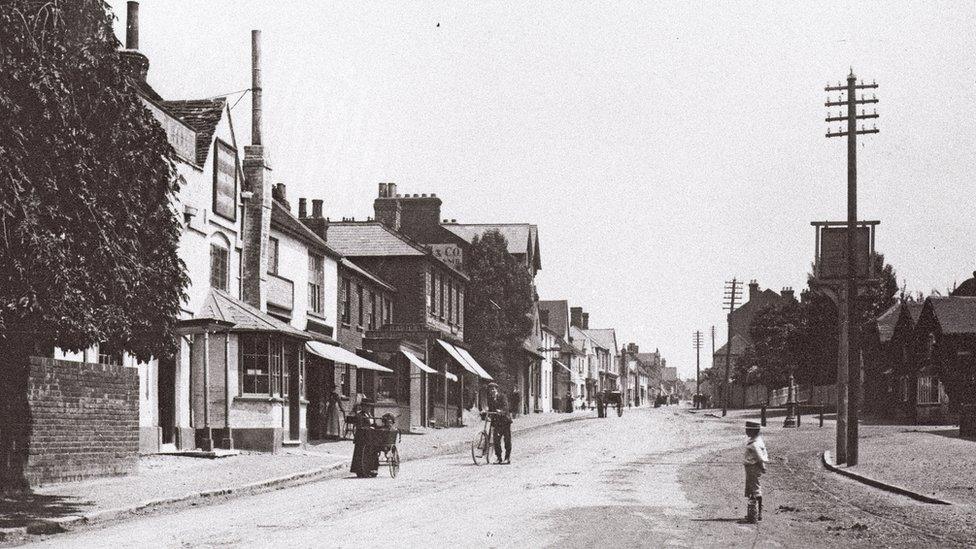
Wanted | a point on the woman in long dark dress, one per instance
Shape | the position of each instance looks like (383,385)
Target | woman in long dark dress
(365,457)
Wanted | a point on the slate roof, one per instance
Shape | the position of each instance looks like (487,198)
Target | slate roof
(523,238)
(604,337)
(221,306)
(284,221)
(558,320)
(369,239)
(365,274)
(202,115)
(955,315)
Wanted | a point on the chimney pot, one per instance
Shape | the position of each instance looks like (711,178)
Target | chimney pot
(432,195)
(132,25)
(383,191)
(454,221)
(317,208)
(302,208)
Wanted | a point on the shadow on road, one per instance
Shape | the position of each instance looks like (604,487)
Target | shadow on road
(18,510)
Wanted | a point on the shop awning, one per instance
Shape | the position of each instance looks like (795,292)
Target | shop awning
(563,365)
(338,354)
(474,363)
(418,363)
(471,366)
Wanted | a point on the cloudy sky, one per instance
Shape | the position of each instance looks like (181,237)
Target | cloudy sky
(662,148)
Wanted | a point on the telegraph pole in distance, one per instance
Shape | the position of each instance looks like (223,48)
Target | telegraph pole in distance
(698,346)
(733,291)
(850,296)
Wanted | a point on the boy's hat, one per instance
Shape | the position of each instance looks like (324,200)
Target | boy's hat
(752,425)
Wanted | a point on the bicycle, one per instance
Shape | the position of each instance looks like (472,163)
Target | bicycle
(481,446)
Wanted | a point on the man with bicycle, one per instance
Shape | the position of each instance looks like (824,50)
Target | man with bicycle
(501,422)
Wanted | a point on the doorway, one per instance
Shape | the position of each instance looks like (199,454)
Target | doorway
(166,399)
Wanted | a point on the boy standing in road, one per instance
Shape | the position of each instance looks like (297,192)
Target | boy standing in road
(501,423)
(755,460)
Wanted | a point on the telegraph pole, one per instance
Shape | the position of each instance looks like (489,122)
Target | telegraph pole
(849,297)
(698,346)
(733,291)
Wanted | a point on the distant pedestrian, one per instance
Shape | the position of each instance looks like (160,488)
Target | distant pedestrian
(755,459)
(516,402)
(501,422)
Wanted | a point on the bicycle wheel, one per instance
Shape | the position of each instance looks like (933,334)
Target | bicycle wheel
(479,448)
(394,460)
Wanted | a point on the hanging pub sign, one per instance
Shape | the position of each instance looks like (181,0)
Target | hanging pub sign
(225,181)
(831,253)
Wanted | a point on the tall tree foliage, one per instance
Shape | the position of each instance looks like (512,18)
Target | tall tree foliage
(498,306)
(88,238)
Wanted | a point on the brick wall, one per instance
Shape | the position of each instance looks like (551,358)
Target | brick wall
(84,420)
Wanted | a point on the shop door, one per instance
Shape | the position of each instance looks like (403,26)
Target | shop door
(294,398)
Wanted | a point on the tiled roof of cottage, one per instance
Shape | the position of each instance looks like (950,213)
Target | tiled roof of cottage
(955,315)
(369,239)
(558,315)
(739,345)
(578,337)
(604,337)
(202,115)
(220,305)
(886,322)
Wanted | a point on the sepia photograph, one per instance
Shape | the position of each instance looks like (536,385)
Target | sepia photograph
(487,274)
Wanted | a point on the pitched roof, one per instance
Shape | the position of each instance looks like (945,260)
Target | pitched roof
(369,239)
(955,315)
(886,322)
(522,238)
(365,274)
(604,337)
(284,221)
(739,345)
(577,337)
(202,115)
(558,313)
(221,306)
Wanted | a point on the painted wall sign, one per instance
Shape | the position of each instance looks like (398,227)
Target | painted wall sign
(225,181)
(448,253)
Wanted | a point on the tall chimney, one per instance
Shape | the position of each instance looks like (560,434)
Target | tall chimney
(576,317)
(257,212)
(586,321)
(316,208)
(753,289)
(132,25)
(302,208)
(255,87)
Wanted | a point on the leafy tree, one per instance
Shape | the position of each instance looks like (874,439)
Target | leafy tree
(498,307)
(88,238)
(776,333)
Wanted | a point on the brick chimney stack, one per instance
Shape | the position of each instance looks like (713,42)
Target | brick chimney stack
(753,289)
(576,317)
(387,208)
(586,321)
(318,224)
(257,210)
(134,63)
(788,293)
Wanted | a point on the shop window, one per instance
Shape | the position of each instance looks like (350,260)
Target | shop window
(287,355)
(434,295)
(275,360)
(344,381)
(364,383)
(254,364)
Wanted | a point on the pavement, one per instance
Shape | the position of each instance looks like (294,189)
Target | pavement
(166,481)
